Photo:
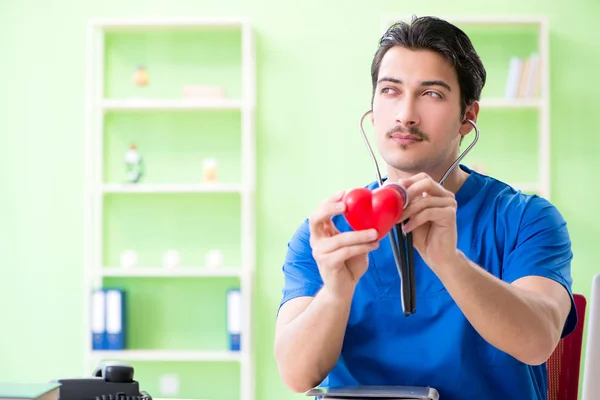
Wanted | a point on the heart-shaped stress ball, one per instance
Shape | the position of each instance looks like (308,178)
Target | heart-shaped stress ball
(380,209)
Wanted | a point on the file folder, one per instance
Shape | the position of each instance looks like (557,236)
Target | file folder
(234,318)
(98,320)
(115,319)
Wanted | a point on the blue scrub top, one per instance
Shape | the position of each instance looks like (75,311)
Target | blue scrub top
(504,231)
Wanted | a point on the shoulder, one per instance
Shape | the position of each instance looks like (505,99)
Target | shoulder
(510,204)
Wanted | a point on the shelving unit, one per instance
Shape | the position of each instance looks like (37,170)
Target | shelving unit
(503,26)
(103,190)
(173,188)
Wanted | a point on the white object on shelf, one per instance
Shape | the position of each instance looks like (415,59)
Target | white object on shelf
(168,385)
(171,259)
(203,92)
(129,259)
(214,259)
(210,170)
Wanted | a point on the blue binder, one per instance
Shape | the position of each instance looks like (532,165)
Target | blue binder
(115,319)
(98,320)
(234,318)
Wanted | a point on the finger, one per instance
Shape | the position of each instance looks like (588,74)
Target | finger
(426,201)
(320,221)
(429,186)
(343,254)
(346,239)
(407,182)
(439,215)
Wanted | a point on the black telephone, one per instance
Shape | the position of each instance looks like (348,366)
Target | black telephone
(109,381)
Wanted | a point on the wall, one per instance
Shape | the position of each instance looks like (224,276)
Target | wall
(313,83)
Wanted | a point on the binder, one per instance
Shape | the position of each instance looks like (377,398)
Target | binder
(98,320)
(115,319)
(234,318)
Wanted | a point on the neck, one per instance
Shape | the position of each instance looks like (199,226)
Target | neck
(453,182)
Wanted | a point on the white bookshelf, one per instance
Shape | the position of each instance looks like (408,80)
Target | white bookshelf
(96,189)
(541,104)
(168,355)
(172,188)
(171,105)
(180,272)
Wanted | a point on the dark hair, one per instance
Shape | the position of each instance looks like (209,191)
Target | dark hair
(435,34)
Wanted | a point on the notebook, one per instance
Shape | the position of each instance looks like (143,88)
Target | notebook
(375,392)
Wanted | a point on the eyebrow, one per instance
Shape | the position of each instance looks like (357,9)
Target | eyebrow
(424,83)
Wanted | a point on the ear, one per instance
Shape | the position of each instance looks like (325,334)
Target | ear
(471,113)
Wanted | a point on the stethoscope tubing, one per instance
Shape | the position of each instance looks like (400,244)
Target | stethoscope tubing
(402,245)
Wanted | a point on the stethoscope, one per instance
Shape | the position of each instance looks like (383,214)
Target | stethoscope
(404,251)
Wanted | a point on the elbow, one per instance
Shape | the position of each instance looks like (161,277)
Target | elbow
(538,352)
(292,378)
(297,386)
(294,381)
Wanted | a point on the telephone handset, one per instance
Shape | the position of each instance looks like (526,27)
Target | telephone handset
(110,381)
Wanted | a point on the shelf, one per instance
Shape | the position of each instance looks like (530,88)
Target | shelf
(510,103)
(168,355)
(475,20)
(498,20)
(170,105)
(170,188)
(136,24)
(158,272)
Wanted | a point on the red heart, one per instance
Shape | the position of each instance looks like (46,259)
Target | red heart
(379,209)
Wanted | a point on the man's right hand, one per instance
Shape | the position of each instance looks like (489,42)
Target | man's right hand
(342,258)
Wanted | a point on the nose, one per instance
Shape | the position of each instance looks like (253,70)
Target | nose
(407,114)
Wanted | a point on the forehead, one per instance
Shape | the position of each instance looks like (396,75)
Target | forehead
(413,66)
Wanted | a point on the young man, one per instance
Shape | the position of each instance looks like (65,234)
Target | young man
(492,265)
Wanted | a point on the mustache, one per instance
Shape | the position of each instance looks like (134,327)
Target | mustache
(412,131)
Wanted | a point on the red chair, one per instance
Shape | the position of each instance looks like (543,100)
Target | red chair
(563,364)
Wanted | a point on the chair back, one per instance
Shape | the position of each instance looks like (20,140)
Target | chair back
(563,364)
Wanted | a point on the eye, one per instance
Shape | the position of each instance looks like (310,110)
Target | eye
(431,93)
(388,90)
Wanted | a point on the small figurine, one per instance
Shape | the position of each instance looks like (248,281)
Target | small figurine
(214,259)
(210,170)
(128,259)
(133,163)
(171,259)
(140,76)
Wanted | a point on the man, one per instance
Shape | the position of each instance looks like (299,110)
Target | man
(492,265)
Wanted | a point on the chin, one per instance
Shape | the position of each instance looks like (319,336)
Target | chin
(406,165)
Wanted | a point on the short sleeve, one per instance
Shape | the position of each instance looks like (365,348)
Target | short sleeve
(543,248)
(300,271)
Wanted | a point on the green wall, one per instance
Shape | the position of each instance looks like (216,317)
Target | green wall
(313,83)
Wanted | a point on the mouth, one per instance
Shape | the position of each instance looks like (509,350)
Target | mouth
(405,139)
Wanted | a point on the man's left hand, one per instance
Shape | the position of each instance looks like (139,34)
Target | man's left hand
(431,214)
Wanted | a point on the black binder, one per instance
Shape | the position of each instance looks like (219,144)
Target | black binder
(375,392)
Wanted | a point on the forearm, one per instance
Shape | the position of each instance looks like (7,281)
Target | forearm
(516,321)
(310,345)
